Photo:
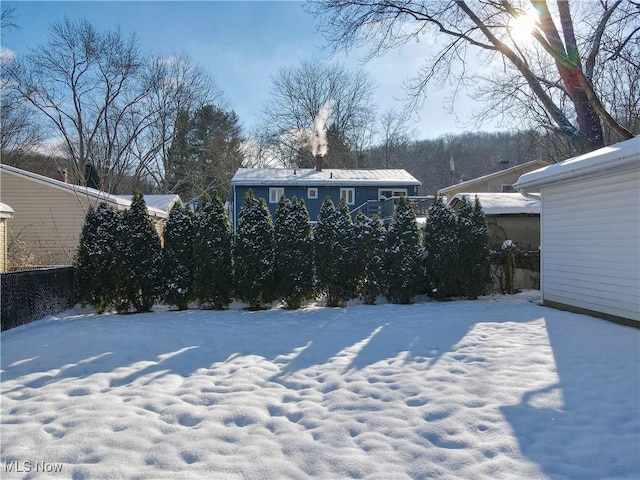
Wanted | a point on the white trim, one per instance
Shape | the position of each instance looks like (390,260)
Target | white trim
(394,192)
(621,157)
(313,196)
(275,194)
(346,193)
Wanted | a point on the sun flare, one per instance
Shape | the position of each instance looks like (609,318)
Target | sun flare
(522,26)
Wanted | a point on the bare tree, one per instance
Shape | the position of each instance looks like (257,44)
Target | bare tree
(299,93)
(7,17)
(551,78)
(395,137)
(177,85)
(20,133)
(89,86)
(258,151)
(618,76)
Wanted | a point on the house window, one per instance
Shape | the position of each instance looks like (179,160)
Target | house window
(391,192)
(312,192)
(507,188)
(349,195)
(275,193)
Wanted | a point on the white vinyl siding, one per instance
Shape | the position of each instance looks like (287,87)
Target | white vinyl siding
(275,194)
(590,235)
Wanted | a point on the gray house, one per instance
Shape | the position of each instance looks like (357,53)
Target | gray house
(357,187)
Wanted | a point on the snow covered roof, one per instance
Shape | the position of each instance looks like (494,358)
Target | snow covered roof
(620,156)
(501,203)
(114,200)
(312,177)
(499,173)
(161,202)
(6,211)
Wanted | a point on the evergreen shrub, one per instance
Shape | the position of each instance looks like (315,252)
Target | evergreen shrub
(404,259)
(253,253)
(213,254)
(138,260)
(177,256)
(293,244)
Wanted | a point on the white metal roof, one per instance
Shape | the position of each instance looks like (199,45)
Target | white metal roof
(622,155)
(161,202)
(502,203)
(90,192)
(312,177)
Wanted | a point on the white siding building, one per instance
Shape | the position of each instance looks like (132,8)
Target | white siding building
(590,232)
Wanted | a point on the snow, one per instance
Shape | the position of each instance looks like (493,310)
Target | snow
(6,211)
(300,176)
(625,155)
(501,203)
(496,388)
(158,202)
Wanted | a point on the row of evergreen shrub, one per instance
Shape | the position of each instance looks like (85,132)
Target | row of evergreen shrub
(121,263)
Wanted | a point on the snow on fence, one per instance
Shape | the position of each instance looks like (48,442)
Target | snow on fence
(29,295)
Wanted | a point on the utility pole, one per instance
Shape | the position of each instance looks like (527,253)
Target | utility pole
(452,167)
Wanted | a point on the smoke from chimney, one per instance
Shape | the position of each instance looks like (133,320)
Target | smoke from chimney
(315,139)
(319,144)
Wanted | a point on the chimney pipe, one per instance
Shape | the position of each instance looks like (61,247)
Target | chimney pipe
(63,175)
(319,163)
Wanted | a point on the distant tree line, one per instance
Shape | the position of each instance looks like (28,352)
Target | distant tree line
(122,265)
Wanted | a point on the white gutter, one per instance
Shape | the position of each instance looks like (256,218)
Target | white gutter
(235,205)
(616,158)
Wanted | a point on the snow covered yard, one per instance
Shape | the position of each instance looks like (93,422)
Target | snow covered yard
(495,388)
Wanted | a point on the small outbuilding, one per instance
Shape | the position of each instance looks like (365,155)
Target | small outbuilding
(510,216)
(590,232)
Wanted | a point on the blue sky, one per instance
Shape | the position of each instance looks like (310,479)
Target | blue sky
(242,44)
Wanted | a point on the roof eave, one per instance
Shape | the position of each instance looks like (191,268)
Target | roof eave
(326,183)
(579,173)
(69,188)
(489,176)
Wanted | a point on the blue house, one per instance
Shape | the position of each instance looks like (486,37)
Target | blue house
(357,187)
